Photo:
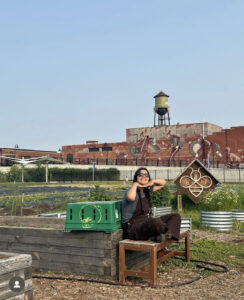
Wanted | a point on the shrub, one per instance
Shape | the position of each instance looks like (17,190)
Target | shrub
(99,194)
(37,174)
(72,174)
(222,198)
(15,173)
(3,177)
(239,188)
(161,197)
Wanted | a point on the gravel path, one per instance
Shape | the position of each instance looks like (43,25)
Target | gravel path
(217,286)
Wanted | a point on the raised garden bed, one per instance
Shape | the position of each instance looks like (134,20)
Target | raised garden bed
(13,265)
(92,253)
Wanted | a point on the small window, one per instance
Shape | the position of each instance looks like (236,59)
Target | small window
(69,158)
(106,148)
(93,149)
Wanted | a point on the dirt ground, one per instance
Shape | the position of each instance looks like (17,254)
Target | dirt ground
(220,286)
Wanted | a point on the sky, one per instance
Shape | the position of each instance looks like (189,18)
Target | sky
(72,71)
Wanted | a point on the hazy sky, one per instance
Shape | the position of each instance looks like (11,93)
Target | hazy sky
(76,70)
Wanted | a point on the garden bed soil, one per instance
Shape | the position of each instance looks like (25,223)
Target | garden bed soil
(26,211)
(218,286)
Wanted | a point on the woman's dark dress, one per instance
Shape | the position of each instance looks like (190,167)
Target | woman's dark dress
(142,226)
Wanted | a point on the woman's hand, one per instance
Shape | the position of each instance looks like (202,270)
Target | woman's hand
(148,184)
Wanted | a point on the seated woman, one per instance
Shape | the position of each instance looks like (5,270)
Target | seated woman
(137,222)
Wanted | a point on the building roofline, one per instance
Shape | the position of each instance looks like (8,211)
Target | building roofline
(20,149)
(176,125)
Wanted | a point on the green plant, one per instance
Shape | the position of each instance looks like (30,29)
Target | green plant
(161,197)
(237,226)
(72,174)
(187,203)
(14,174)
(222,198)
(3,177)
(99,194)
(224,253)
(239,188)
(35,174)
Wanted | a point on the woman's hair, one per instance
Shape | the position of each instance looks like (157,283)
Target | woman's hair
(139,171)
(145,190)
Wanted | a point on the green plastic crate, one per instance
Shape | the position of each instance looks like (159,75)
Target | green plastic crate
(99,216)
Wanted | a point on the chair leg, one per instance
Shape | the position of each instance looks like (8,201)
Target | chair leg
(153,267)
(121,263)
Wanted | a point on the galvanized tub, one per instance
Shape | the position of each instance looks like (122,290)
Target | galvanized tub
(218,220)
(160,211)
(186,223)
(238,215)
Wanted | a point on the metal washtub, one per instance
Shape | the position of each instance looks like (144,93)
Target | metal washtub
(238,215)
(218,220)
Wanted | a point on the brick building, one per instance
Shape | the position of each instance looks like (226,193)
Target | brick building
(165,145)
(26,153)
(171,145)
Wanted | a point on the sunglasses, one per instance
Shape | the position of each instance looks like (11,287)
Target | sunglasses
(143,175)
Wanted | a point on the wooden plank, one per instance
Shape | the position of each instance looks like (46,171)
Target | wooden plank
(32,221)
(28,273)
(7,293)
(54,233)
(78,260)
(23,248)
(3,245)
(111,253)
(153,267)
(67,268)
(83,243)
(165,257)
(187,246)
(7,276)
(122,267)
(136,260)
(14,263)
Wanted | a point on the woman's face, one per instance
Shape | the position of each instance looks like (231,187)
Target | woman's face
(143,177)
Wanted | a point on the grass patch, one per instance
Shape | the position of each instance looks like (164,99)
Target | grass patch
(230,255)
(194,214)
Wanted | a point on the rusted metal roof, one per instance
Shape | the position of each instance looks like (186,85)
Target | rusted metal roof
(160,94)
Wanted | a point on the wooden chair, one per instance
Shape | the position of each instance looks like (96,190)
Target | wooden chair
(157,255)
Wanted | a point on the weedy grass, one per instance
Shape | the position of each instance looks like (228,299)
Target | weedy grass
(228,254)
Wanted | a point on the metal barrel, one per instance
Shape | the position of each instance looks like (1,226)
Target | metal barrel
(186,223)
(218,220)
(160,211)
(238,215)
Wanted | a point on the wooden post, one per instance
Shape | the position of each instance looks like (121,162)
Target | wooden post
(187,246)
(122,266)
(179,199)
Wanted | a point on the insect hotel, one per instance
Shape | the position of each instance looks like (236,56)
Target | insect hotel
(194,181)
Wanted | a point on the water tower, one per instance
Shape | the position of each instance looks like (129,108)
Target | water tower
(161,109)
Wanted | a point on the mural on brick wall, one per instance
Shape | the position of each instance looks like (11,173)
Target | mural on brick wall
(167,144)
(204,150)
(232,160)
